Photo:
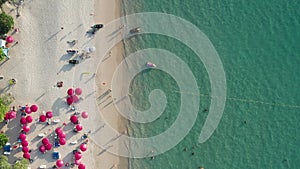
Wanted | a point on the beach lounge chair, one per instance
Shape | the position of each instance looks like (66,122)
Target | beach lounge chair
(55,121)
(41,135)
(43,166)
(74,142)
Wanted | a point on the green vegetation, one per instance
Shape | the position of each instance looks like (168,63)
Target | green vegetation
(6,23)
(3,139)
(4,163)
(22,164)
(2,55)
(5,101)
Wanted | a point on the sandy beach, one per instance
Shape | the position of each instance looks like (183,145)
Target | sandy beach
(39,61)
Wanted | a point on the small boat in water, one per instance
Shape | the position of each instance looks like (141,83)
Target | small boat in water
(135,30)
(151,65)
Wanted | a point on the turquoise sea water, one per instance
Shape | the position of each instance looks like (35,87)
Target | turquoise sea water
(258,43)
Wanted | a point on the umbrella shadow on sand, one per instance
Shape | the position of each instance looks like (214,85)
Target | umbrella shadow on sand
(58,106)
(66,67)
(66,57)
(68,158)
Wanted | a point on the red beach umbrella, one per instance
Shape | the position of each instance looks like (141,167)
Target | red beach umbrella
(24,143)
(70,91)
(45,141)
(84,115)
(78,155)
(78,91)
(25,149)
(26,129)
(34,108)
(59,163)
(70,100)
(62,141)
(62,135)
(26,155)
(74,119)
(42,148)
(49,114)
(48,146)
(9,39)
(22,136)
(23,120)
(29,119)
(81,166)
(43,118)
(83,147)
(27,110)
(77,162)
(75,98)
(78,127)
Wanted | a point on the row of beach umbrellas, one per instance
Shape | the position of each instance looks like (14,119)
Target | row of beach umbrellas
(25,121)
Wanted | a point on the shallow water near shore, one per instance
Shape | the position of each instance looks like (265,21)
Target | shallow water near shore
(257,42)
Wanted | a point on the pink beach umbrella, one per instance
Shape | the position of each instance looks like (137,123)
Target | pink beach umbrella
(70,100)
(42,148)
(23,120)
(48,146)
(34,108)
(6,117)
(25,149)
(75,98)
(62,141)
(74,119)
(78,91)
(78,155)
(22,136)
(84,115)
(10,39)
(58,130)
(43,118)
(77,162)
(27,110)
(24,143)
(26,155)
(83,147)
(81,166)
(62,135)
(12,114)
(59,163)
(78,127)
(45,141)
(29,119)
(49,114)
(26,129)
(70,91)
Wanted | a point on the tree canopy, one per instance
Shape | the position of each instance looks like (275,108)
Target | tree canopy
(22,164)
(2,55)
(2,2)
(4,163)
(3,139)
(5,101)
(6,23)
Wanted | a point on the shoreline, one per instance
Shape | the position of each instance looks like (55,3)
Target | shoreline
(103,81)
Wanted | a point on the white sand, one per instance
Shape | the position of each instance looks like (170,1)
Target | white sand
(39,60)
